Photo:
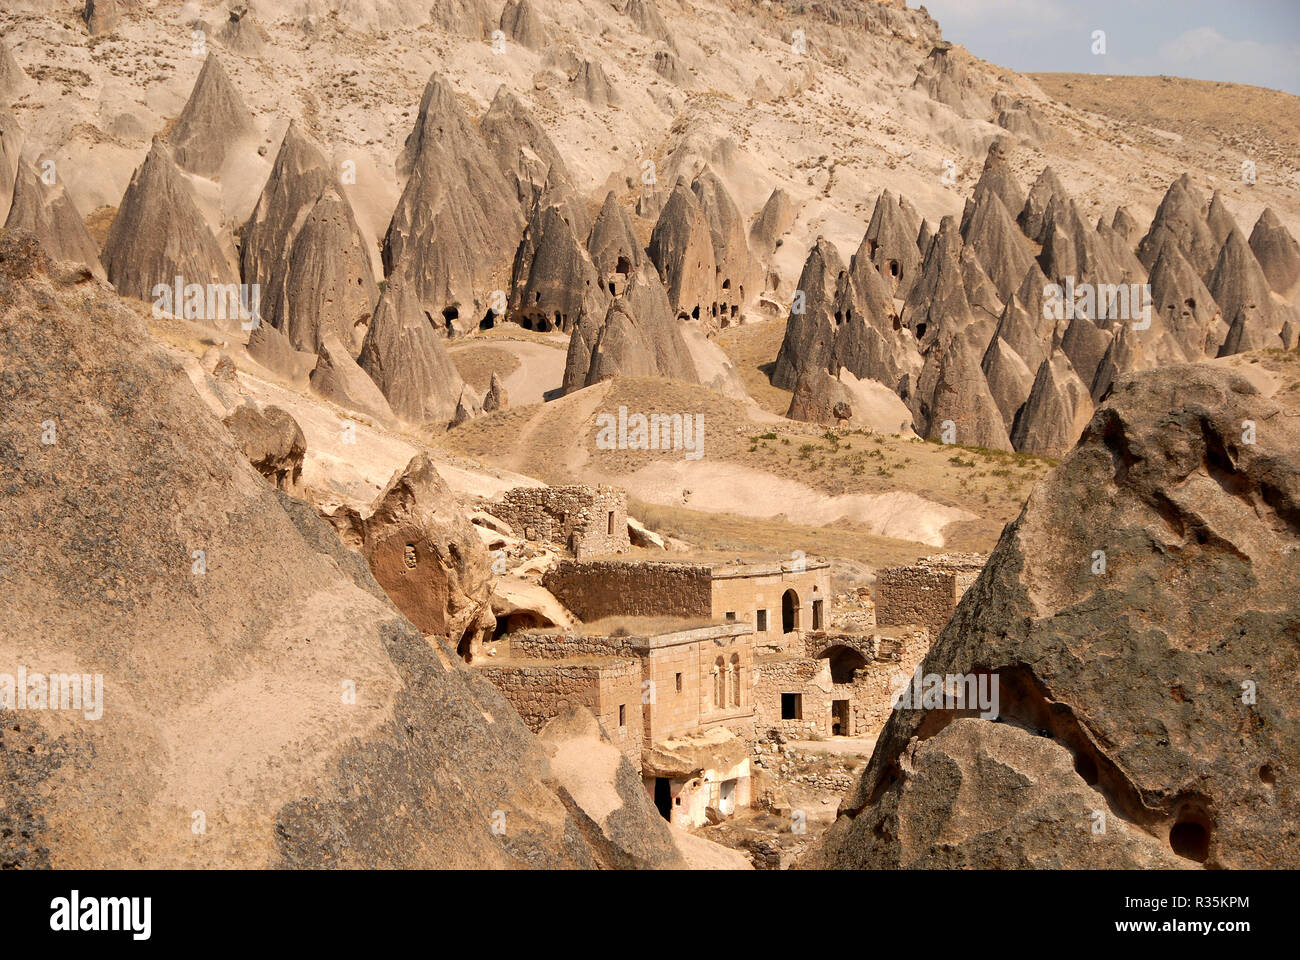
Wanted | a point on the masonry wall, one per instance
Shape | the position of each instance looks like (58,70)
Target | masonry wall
(927,592)
(539,645)
(594,589)
(541,691)
(589,521)
(802,675)
(748,595)
(897,657)
(694,707)
(892,655)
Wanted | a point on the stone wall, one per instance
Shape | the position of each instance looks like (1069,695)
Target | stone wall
(891,657)
(687,672)
(897,656)
(595,589)
(805,676)
(588,521)
(926,592)
(563,645)
(756,593)
(542,690)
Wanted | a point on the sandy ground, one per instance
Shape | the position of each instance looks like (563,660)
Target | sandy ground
(731,488)
(355,465)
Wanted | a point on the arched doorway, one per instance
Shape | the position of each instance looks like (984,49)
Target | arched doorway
(789,611)
(844,661)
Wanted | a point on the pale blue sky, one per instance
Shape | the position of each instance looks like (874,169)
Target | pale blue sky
(1242,41)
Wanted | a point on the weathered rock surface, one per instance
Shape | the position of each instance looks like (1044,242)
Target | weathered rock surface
(99,579)
(47,213)
(272,441)
(407,360)
(339,379)
(213,121)
(604,794)
(1141,693)
(458,221)
(425,554)
(303,247)
(158,234)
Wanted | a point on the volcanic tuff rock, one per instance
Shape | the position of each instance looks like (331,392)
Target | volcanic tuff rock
(521,23)
(669,66)
(1059,406)
(809,332)
(14,81)
(496,398)
(737,273)
(323,285)
(946,77)
(1241,290)
(638,336)
(526,154)
(997,243)
(772,223)
(1140,692)
(892,243)
(592,84)
(458,222)
(272,441)
(425,555)
(406,359)
(612,242)
(1278,254)
(12,138)
(469,18)
(951,389)
(407,776)
(158,234)
(101,16)
(337,378)
(1033,213)
(303,246)
(681,247)
(1184,306)
(46,211)
(213,121)
(1181,214)
(648,20)
(242,33)
(604,794)
(553,280)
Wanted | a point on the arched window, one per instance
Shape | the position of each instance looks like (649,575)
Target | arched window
(719,684)
(735,679)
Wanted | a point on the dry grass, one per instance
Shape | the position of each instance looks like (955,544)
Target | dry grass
(1261,123)
(724,537)
(541,441)
(753,347)
(476,363)
(644,626)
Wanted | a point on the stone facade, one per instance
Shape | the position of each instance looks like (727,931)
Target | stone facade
(774,599)
(927,592)
(838,684)
(610,689)
(587,521)
(698,679)
(596,589)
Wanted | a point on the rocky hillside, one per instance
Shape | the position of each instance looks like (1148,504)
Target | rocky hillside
(263,702)
(1140,617)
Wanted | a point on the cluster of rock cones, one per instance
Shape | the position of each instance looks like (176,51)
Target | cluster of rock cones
(962,323)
